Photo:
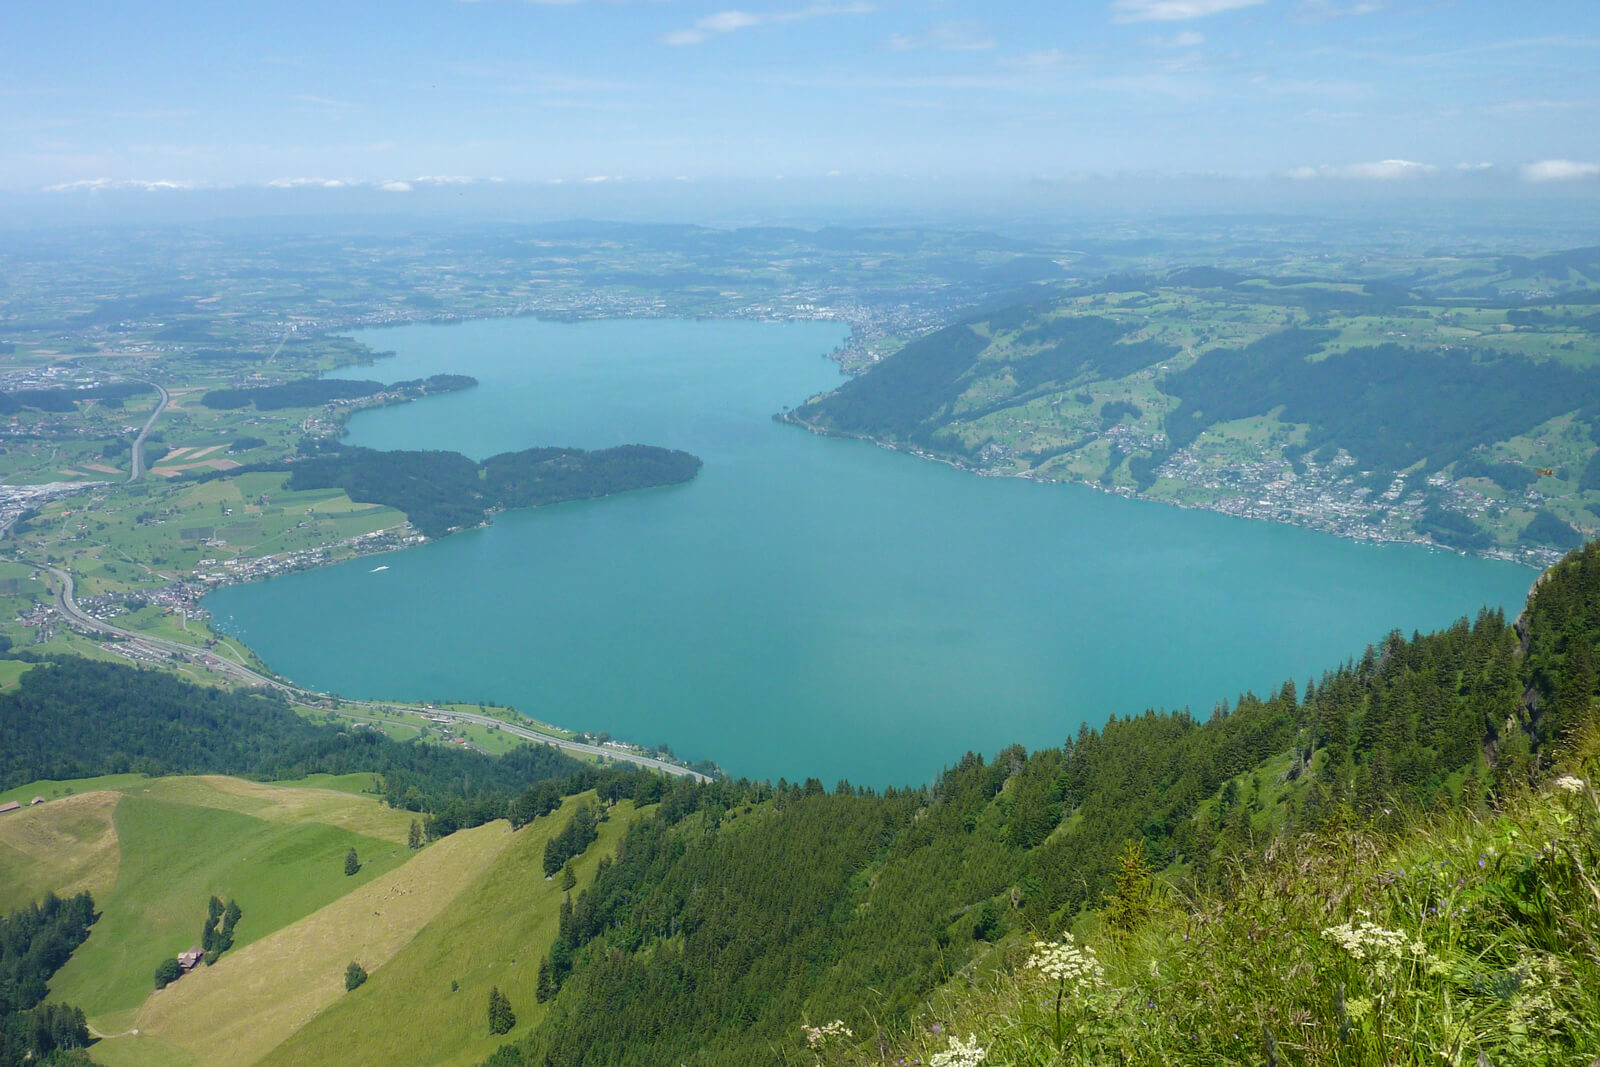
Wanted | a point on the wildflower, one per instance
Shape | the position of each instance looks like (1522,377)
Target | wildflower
(1358,1007)
(1368,941)
(1372,944)
(967,1053)
(1570,784)
(817,1036)
(1066,963)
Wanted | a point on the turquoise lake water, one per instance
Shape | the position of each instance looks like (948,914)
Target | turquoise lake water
(808,606)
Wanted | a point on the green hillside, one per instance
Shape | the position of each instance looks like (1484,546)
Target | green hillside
(1414,826)
(1284,398)
(175,855)
(741,912)
(493,934)
(256,997)
(1471,938)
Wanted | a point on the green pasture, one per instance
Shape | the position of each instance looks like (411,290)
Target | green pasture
(493,934)
(175,856)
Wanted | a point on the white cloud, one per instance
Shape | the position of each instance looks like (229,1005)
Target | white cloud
(395,187)
(1381,170)
(95,185)
(946,37)
(1390,169)
(1559,170)
(444,179)
(1474,168)
(296,183)
(1173,10)
(729,21)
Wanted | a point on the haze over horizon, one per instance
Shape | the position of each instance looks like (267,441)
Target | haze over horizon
(681,109)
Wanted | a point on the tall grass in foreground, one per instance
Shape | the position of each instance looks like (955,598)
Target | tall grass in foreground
(1467,940)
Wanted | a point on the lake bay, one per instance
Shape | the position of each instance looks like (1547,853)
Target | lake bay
(808,606)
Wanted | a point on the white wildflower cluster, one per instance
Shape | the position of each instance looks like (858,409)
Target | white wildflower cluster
(1371,943)
(817,1036)
(1066,962)
(1571,784)
(1536,1010)
(968,1053)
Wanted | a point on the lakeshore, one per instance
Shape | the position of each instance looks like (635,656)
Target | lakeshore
(805,590)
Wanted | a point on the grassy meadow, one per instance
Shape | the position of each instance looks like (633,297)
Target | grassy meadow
(152,851)
(472,910)
(1469,938)
(493,934)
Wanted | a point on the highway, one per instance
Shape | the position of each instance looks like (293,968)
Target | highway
(160,645)
(138,442)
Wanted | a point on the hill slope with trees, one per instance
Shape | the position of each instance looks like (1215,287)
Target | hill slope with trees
(1473,425)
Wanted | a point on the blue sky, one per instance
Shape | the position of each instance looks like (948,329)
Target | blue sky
(407,92)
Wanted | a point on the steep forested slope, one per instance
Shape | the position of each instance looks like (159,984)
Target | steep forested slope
(78,718)
(742,910)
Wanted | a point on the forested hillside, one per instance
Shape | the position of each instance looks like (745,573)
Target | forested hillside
(1369,409)
(78,718)
(740,910)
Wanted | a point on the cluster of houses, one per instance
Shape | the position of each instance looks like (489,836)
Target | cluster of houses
(17,805)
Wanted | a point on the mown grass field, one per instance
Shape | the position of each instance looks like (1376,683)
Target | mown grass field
(473,909)
(257,996)
(493,934)
(177,841)
(64,846)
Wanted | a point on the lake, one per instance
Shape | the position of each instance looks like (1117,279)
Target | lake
(808,606)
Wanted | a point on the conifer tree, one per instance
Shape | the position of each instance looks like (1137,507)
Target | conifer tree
(545,989)
(1130,903)
(501,1018)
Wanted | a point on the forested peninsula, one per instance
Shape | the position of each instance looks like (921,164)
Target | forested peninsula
(441,491)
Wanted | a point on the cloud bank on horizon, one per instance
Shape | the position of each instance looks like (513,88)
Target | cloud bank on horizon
(433,94)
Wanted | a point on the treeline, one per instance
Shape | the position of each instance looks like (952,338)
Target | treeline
(740,909)
(63,400)
(1510,476)
(899,396)
(441,491)
(909,396)
(305,393)
(78,718)
(1366,399)
(314,392)
(35,942)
